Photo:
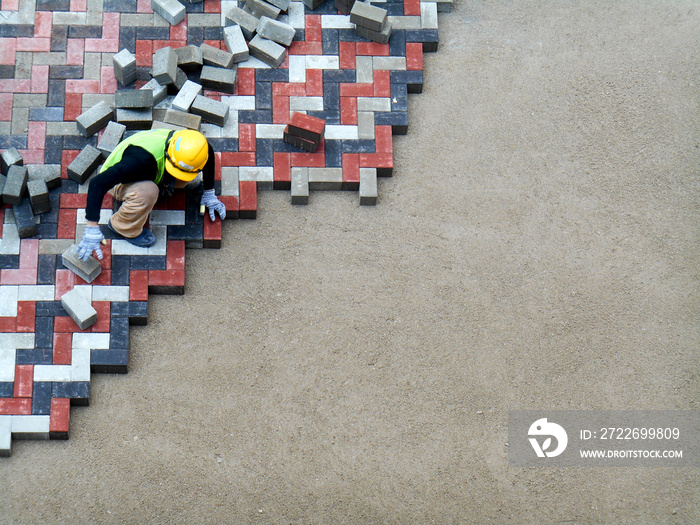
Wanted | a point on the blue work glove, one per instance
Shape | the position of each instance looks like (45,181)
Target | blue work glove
(215,205)
(92,237)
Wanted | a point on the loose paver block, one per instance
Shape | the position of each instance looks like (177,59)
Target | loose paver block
(85,164)
(39,196)
(218,79)
(86,270)
(276,31)
(367,15)
(125,70)
(182,119)
(24,219)
(139,119)
(300,185)
(300,142)
(172,10)
(212,56)
(159,91)
(307,126)
(368,186)
(79,309)
(186,95)
(10,157)
(133,99)
(260,8)
(49,173)
(112,136)
(3,180)
(313,4)
(94,119)
(236,44)
(267,51)
(247,22)
(164,68)
(381,37)
(283,5)
(15,185)
(210,110)
(189,58)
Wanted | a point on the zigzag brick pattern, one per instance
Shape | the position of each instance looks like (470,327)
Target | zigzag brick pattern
(56,62)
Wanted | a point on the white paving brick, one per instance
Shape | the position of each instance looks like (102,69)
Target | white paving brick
(336,22)
(39,292)
(322,62)
(30,427)
(263,175)
(110,293)
(229,181)
(306,103)
(297,68)
(405,22)
(5,435)
(80,364)
(295,15)
(90,340)
(122,247)
(390,63)
(429,15)
(105,215)
(167,217)
(339,132)
(15,341)
(8,300)
(7,364)
(56,373)
(9,243)
(269,131)
(244,103)
(85,291)
(373,104)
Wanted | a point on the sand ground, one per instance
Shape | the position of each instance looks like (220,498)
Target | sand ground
(537,248)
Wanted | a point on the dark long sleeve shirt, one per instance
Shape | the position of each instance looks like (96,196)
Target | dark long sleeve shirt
(136,165)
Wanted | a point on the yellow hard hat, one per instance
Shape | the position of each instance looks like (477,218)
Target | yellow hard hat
(186,154)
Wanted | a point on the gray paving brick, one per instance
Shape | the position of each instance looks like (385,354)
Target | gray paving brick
(186,95)
(212,56)
(49,173)
(260,8)
(189,58)
(267,51)
(313,4)
(276,31)
(247,22)
(210,110)
(344,6)
(171,10)
(368,16)
(86,270)
(158,124)
(368,186)
(182,119)
(39,196)
(180,79)
(15,185)
(124,64)
(218,79)
(3,180)
(112,136)
(236,44)
(94,119)
(79,309)
(283,5)
(135,118)
(85,164)
(10,157)
(133,98)
(24,219)
(381,37)
(164,68)
(159,91)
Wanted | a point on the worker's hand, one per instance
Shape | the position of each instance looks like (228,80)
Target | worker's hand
(215,205)
(92,237)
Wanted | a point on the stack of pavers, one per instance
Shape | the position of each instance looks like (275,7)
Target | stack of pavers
(371,22)
(304,131)
(268,37)
(26,189)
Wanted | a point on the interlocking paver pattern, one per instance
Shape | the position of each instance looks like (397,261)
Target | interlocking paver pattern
(57,62)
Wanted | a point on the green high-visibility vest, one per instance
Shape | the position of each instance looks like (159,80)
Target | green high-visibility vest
(152,141)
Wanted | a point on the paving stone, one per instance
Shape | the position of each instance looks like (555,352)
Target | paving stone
(10,157)
(3,180)
(300,185)
(247,22)
(24,219)
(344,6)
(135,119)
(313,4)
(133,99)
(164,68)
(112,136)
(210,110)
(159,91)
(189,58)
(267,51)
(87,270)
(260,8)
(85,164)
(300,142)
(79,309)
(15,184)
(186,95)
(306,126)
(236,44)
(94,119)
(39,196)
(172,10)
(212,56)
(182,119)
(124,64)
(218,79)
(276,31)
(368,186)
(381,37)
(49,173)
(368,16)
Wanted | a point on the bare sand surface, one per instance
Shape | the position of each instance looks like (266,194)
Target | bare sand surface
(537,248)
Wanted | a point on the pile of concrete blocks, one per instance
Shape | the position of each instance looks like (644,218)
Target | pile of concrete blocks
(344,6)
(304,131)
(371,22)
(124,64)
(26,189)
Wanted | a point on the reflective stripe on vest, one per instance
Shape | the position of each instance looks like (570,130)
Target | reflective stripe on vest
(152,141)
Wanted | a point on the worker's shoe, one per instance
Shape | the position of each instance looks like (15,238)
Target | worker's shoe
(145,239)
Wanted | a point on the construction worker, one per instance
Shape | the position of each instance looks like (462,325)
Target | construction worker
(140,169)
